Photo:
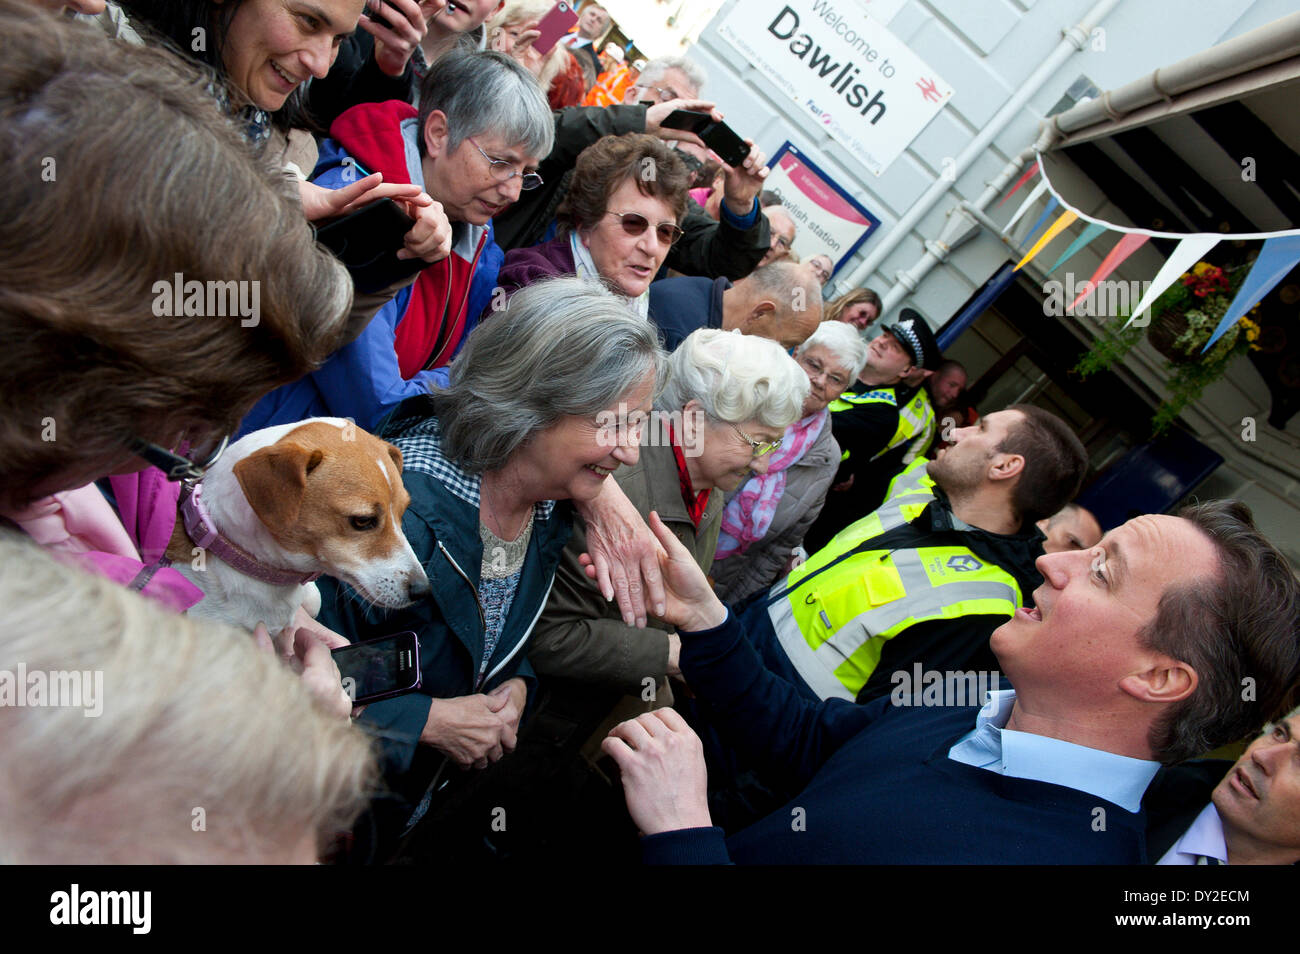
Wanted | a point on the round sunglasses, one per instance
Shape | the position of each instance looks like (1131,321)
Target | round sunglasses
(634,223)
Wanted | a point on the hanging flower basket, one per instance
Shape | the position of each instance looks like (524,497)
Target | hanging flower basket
(1182,320)
(1166,328)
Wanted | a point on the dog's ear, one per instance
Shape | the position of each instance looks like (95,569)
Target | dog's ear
(274,480)
(396,455)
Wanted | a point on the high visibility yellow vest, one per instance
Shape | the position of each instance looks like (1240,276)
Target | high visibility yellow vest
(916,423)
(846,401)
(834,614)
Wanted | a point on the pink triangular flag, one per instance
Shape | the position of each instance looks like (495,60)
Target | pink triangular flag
(1126,246)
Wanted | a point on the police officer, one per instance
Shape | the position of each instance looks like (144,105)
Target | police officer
(870,421)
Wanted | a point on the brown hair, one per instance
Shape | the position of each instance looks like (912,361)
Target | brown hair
(604,165)
(123,173)
(858,296)
(1055,463)
(1240,631)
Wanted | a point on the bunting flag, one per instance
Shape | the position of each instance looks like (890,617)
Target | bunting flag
(1189,251)
(1030,199)
(1052,204)
(1029,174)
(1084,239)
(1052,232)
(1129,243)
(1276,259)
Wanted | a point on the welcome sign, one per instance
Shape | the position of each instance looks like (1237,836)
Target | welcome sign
(869,91)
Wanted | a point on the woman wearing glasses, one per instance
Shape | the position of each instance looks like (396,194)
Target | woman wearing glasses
(721,416)
(474,145)
(617,222)
(764,522)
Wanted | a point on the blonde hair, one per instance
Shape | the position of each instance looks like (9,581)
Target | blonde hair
(205,749)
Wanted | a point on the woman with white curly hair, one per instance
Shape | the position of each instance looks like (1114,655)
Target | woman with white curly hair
(764,522)
(722,414)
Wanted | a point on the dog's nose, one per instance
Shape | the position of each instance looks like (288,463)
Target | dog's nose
(417,586)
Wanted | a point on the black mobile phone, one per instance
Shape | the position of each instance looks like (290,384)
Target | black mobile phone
(379,668)
(367,242)
(719,137)
(377,17)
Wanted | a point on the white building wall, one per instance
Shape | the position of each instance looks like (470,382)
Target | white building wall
(986,49)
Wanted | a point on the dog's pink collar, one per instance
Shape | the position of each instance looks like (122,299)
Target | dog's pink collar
(204,533)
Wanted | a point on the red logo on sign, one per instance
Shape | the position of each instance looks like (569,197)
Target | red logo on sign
(929,90)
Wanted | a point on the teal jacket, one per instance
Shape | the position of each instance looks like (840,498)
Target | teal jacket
(443,530)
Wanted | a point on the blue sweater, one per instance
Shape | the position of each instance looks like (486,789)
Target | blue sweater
(878,786)
(681,305)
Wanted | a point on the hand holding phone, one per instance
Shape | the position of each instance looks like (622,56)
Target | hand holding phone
(558,22)
(379,668)
(367,242)
(718,136)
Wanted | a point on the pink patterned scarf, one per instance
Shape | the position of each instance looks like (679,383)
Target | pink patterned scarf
(748,515)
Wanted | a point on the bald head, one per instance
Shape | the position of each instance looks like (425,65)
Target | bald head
(1071,528)
(781,301)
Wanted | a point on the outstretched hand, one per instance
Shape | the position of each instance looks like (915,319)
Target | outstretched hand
(623,556)
(689,602)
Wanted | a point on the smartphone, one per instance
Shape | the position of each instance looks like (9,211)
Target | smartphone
(719,137)
(367,242)
(554,25)
(379,668)
(376,17)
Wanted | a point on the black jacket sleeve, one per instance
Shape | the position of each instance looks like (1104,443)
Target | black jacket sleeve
(717,249)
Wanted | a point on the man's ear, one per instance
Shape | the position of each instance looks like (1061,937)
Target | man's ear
(435,134)
(1006,466)
(1168,680)
(274,481)
(762,310)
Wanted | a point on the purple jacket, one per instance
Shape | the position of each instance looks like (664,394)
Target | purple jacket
(523,266)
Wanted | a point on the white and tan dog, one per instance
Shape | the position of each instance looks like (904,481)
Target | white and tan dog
(287,504)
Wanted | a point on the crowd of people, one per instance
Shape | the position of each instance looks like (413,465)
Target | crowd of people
(697,542)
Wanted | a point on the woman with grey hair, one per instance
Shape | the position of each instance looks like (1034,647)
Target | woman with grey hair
(764,522)
(728,400)
(481,129)
(542,407)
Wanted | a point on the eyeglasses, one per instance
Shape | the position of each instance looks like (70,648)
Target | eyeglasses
(759,448)
(503,171)
(781,242)
(815,368)
(665,93)
(634,223)
(176,466)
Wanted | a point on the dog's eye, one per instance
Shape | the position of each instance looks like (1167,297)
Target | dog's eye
(364,523)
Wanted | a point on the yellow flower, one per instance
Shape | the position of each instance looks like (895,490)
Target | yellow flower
(1200,268)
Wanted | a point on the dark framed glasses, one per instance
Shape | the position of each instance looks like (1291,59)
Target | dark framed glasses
(634,223)
(503,171)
